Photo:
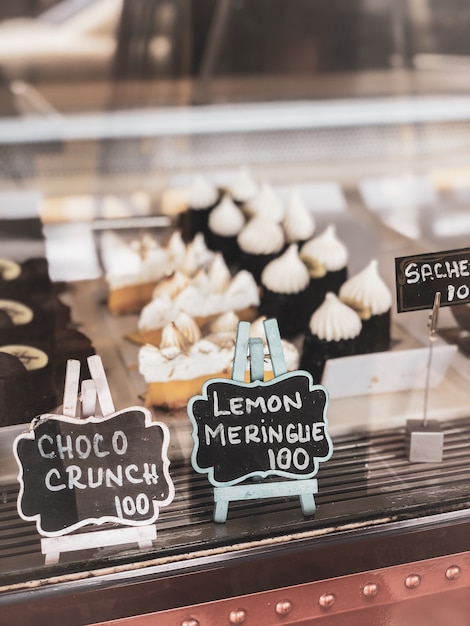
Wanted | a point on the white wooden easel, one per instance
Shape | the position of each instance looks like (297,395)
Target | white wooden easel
(93,392)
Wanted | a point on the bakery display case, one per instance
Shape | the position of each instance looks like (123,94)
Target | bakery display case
(169,170)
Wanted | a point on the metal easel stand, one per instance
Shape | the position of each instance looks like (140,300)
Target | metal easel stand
(424,439)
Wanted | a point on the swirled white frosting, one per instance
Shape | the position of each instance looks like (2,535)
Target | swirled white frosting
(291,356)
(134,263)
(325,249)
(206,357)
(203,358)
(204,256)
(190,300)
(367,292)
(287,273)
(176,249)
(201,281)
(171,285)
(173,338)
(119,259)
(266,204)
(188,327)
(298,222)
(202,194)
(243,187)
(225,323)
(154,265)
(261,236)
(226,219)
(157,313)
(242,293)
(197,256)
(334,320)
(219,274)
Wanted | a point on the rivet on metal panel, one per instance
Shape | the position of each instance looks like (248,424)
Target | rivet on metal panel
(412,581)
(326,600)
(238,616)
(190,622)
(453,572)
(283,607)
(370,590)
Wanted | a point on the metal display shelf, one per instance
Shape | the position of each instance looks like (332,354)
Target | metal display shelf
(369,483)
(368,492)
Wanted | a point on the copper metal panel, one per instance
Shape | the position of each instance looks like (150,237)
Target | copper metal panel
(424,592)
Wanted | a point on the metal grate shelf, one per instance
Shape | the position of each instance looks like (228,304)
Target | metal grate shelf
(368,478)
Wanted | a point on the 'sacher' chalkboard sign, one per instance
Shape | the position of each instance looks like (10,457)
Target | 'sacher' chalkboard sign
(75,472)
(260,429)
(420,277)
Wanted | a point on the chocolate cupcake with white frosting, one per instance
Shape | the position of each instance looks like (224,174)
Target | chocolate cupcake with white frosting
(369,296)
(284,283)
(333,332)
(202,198)
(298,221)
(326,258)
(260,241)
(243,187)
(266,204)
(226,221)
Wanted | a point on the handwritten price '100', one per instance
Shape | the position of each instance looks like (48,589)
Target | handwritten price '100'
(285,459)
(128,506)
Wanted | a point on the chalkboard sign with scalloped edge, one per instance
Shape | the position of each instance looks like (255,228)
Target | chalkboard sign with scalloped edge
(260,429)
(78,472)
(421,276)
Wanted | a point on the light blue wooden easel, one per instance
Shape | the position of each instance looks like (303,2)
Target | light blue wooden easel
(304,488)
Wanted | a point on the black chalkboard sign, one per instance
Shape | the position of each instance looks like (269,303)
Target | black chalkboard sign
(420,277)
(273,428)
(77,472)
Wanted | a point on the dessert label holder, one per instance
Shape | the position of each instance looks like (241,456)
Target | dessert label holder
(247,432)
(91,470)
(429,281)
(424,438)
(420,277)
